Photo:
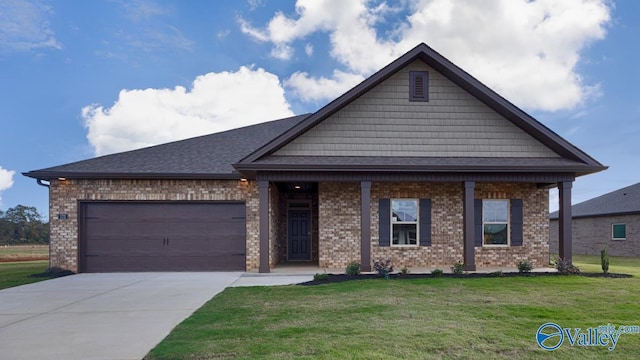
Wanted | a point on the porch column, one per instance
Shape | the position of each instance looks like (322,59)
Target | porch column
(365,226)
(564,238)
(468,219)
(263,231)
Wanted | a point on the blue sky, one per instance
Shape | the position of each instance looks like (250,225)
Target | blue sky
(86,78)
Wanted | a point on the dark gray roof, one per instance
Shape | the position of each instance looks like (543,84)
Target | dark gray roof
(275,162)
(209,156)
(622,201)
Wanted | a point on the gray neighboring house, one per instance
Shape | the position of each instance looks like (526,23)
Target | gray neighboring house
(612,219)
(420,163)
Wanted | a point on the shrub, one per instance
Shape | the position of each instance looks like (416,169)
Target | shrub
(497,273)
(604,259)
(383,267)
(353,268)
(565,267)
(320,276)
(458,268)
(525,266)
(404,270)
(437,272)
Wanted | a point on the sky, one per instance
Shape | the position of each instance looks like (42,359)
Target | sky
(79,79)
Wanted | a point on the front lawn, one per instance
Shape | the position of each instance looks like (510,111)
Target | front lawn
(19,273)
(409,319)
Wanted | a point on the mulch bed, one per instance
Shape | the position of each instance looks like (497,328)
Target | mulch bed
(53,273)
(337,278)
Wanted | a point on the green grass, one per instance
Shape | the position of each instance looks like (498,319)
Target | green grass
(18,273)
(490,318)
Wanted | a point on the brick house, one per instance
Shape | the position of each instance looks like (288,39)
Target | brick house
(420,163)
(610,220)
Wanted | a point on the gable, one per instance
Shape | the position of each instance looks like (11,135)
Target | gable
(382,122)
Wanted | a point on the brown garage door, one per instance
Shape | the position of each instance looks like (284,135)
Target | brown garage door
(152,236)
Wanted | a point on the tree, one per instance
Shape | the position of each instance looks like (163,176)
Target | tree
(23,225)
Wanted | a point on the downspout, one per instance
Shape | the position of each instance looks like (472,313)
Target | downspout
(39,181)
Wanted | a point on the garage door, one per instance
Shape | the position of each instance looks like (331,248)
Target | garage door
(151,236)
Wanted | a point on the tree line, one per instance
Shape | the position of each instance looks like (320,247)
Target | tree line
(23,225)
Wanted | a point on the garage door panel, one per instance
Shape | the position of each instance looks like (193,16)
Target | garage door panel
(150,236)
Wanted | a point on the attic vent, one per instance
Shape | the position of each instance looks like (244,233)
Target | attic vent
(418,86)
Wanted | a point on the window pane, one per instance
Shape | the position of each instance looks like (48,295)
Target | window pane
(495,210)
(619,231)
(404,210)
(495,234)
(404,234)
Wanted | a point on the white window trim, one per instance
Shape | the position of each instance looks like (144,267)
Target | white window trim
(625,232)
(417,223)
(508,244)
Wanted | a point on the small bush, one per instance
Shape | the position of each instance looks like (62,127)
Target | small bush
(525,266)
(604,260)
(320,276)
(383,267)
(497,273)
(437,272)
(458,268)
(565,267)
(404,270)
(353,268)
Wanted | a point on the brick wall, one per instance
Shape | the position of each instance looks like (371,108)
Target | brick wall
(339,207)
(535,247)
(339,223)
(64,196)
(591,234)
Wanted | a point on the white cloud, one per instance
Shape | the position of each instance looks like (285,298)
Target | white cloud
(215,102)
(309,89)
(308,49)
(6,180)
(525,50)
(24,25)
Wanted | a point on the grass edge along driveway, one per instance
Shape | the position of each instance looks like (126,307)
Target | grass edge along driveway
(411,319)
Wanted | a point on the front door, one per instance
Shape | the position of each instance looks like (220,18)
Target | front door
(299,233)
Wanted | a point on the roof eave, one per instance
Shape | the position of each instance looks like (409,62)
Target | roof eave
(50,175)
(253,167)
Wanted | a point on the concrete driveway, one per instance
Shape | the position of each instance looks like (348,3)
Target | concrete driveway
(100,316)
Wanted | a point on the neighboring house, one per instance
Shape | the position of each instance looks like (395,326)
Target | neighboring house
(611,220)
(420,163)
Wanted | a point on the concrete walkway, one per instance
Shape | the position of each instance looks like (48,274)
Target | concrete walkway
(100,316)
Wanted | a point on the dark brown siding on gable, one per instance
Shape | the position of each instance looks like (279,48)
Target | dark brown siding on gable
(160,236)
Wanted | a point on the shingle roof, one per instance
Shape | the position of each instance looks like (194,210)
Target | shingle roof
(209,156)
(621,201)
(275,162)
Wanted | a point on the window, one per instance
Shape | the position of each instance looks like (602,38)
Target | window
(619,231)
(495,222)
(404,222)
(418,86)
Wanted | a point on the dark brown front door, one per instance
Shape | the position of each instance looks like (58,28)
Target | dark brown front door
(299,234)
(151,236)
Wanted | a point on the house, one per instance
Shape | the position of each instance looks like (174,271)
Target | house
(419,163)
(610,220)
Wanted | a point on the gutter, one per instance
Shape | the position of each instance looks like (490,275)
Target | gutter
(39,181)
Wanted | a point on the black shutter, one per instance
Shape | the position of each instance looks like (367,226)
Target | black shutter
(425,222)
(477,221)
(516,222)
(384,222)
